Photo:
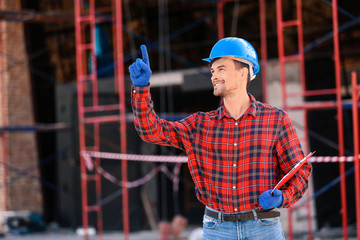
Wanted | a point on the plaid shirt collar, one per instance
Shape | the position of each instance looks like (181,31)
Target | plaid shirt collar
(221,111)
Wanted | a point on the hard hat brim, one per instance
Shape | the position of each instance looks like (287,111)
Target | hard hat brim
(207,59)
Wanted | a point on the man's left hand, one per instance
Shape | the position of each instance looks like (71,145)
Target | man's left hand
(268,200)
(140,71)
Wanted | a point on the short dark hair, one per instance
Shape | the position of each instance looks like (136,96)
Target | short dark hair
(238,65)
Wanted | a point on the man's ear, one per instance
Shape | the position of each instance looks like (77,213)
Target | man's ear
(244,72)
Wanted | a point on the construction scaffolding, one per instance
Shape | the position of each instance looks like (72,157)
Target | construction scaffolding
(299,56)
(92,114)
(85,22)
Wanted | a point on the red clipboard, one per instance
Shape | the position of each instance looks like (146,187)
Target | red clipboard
(292,172)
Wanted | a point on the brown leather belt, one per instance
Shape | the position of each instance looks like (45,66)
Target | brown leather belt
(244,216)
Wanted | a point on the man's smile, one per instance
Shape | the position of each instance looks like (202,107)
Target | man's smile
(218,83)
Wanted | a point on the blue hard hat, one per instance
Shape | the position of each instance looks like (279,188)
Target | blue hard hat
(235,47)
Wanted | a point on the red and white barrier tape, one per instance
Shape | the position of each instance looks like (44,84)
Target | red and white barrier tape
(134,157)
(183,159)
(174,177)
(329,159)
(88,161)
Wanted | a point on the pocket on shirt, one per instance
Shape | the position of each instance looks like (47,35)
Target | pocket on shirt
(209,222)
(269,221)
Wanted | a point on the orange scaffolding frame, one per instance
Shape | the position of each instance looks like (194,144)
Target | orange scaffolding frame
(85,21)
(355,112)
(281,24)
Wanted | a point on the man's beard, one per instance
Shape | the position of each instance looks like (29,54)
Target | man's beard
(218,93)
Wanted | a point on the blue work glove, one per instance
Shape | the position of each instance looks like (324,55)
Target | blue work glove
(268,200)
(140,71)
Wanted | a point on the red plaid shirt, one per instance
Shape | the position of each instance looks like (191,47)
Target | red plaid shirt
(231,161)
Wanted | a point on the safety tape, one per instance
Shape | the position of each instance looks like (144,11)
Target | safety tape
(183,159)
(174,177)
(134,157)
(329,159)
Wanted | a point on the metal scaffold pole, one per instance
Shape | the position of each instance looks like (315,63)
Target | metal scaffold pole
(119,79)
(339,116)
(79,70)
(220,18)
(355,112)
(263,39)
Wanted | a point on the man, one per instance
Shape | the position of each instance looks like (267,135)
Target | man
(237,153)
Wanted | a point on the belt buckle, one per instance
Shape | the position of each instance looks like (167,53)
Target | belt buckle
(222,217)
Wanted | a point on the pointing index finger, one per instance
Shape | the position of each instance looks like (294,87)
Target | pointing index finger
(145,56)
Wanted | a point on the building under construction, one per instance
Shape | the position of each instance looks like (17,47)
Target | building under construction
(69,150)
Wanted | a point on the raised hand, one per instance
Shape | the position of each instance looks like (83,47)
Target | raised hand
(140,71)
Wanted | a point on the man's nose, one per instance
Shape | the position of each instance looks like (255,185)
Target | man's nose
(214,76)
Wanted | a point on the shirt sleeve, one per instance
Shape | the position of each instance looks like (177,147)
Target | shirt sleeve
(151,128)
(289,153)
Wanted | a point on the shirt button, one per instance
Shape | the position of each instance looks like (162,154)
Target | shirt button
(134,91)
(235,209)
(236,124)
(234,187)
(234,165)
(235,144)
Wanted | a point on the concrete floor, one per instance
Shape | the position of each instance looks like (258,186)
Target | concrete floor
(71,235)
(145,235)
(64,234)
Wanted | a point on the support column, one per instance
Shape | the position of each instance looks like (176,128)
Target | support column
(18,149)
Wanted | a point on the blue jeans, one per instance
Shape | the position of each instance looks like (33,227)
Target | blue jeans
(258,229)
